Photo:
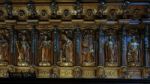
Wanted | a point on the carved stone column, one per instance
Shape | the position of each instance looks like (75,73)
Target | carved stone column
(77,47)
(147,46)
(123,47)
(13,46)
(101,60)
(34,45)
(56,46)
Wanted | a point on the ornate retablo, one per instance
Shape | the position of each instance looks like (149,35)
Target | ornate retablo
(105,39)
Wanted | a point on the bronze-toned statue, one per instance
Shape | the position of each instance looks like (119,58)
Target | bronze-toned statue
(133,52)
(23,48)
(110,51)
(66,54)
(88,51)
(45,47)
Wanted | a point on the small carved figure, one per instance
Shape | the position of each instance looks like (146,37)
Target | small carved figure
(9,9)
(54,8)
(32,9)
(78,9)
(112,14)
(77,72)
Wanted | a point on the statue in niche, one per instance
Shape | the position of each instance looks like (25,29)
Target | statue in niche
(111,51)
(32,9)
(66,53)
(133,52)
(112,14)
(54,8)
(88,50)
(45,47)
(78,9)
(4,48)
(23,48)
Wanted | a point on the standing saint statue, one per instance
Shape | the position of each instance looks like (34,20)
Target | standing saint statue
(110,50)
(87,51)
(23,51)
(45,47)
(3,50)
(66,56)
(133,52)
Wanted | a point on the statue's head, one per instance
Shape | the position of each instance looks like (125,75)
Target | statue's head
(23,37)
(64,37)
(45,37)
(133,39)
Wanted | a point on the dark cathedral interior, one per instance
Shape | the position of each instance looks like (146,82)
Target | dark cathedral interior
(75,39)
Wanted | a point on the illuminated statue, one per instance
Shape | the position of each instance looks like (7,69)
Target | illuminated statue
(87,51)
(110,51)
(46,51)
(133,52)
(67,51)
(23,51)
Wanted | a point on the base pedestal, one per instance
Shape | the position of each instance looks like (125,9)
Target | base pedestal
(3,72)
(66,72)
(88,72)
(134,72)
(43,72)
(112,72)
